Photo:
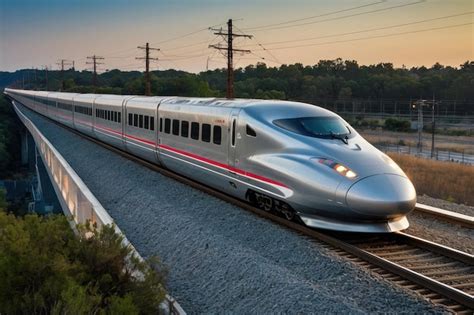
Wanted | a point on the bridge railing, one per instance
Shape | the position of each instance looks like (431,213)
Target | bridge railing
(76,200)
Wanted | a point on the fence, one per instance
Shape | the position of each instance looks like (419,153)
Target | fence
(76,200)
(441,155)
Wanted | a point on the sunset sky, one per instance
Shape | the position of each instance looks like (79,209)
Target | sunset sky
(35,33)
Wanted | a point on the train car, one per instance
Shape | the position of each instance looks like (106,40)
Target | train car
(64,107)
(193,139)
(108,116)
(296,159)
(83,118)
(141,127)
(41,102)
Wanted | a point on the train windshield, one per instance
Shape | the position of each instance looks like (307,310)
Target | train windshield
(319,127)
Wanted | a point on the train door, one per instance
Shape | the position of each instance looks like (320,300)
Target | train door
(158,129)
(234,136)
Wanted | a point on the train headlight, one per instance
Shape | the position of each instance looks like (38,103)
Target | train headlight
(338,167)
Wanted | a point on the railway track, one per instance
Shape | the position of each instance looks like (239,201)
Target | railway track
(450,216)
(441,274)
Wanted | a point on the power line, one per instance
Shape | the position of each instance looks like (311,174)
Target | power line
(275,59)
(315,16)
(342,17)
(147,59)
(229,52)
(366,30)
(377,36)
(187,34)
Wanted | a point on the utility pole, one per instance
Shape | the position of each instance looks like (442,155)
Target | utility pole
(229,53)
(433,127)
(147,59)
(63,63)
(46,77)
(94,62)
(419,105)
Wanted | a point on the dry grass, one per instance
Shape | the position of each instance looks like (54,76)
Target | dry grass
(444,180)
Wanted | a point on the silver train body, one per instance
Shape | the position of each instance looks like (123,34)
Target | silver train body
(238,147)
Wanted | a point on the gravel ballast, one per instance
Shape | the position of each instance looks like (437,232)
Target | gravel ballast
(222,259)
(440,231)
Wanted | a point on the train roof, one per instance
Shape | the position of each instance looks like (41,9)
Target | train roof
(249,104)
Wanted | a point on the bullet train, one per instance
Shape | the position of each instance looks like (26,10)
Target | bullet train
(295,159)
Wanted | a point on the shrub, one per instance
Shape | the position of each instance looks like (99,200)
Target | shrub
(394,124)
(45,268)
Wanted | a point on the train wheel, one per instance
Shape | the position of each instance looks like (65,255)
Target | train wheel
(264,202)
(287,212)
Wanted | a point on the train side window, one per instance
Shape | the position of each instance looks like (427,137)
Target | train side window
(233,133)
(250,131)
(184,128)
(152,123)
(175,127)
(115,116)
(167,125)
(217,134)
(119,117)
(161,124)
(96,112)
(135,120)
(147,121)
(108,115)
(130,119)
(140,121)
(206,132)
(195,130)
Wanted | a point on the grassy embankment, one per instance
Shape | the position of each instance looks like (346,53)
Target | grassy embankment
(443,180)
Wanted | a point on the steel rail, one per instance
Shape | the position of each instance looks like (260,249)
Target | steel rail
(451,216)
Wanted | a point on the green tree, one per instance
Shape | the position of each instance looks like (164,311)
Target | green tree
(45,268)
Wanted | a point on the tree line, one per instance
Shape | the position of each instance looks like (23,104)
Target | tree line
(328,79)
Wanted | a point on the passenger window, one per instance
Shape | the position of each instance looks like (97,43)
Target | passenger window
(146,122)
(250,131)
(161,124)
(184,129)
(135,120)
(216,138)
(233,133)
(206,132)
(119,117)
(152,123)
(130,119)
(115,116)
(140,121)
(175,127)
(195,130)
(167,125)
(108,115)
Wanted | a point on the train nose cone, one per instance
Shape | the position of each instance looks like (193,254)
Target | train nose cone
(382,196)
